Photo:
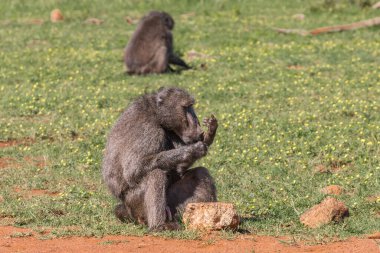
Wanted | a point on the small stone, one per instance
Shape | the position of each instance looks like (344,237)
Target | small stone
(330,209)
(333,190)
(299,16)
(1,198)
(210,216)
(56,15)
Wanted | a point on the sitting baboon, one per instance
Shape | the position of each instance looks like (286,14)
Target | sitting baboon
(148,157)
(150,50)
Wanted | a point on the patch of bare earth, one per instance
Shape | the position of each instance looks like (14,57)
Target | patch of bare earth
(296,67)
(38,161)
(373,198)
(5,144)
(25,240)
(6,162)
(35,193)
(333,167)
(9,162)
(11,143)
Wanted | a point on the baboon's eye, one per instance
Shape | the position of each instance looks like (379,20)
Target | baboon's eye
(185,109)
(188,108)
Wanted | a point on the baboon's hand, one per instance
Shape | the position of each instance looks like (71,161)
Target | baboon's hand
(199,149)
(211,123)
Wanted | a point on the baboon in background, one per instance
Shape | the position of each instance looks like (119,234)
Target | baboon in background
(148,156)
(150,50)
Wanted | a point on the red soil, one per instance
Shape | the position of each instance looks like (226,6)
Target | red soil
(36,161)
(296,67)
(7,162)
(24,240)
(4,144)
(10,143)
(35,192)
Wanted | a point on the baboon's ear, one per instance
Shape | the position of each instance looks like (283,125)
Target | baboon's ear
(160,96)
(160,100)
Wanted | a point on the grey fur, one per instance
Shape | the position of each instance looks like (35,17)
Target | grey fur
(150,50)
(148,156)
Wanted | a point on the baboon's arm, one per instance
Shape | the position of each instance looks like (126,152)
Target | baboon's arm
(173,59)
(166,160)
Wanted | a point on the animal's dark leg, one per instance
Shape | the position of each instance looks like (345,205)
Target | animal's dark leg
(197,185)
(155,198)
(173,59)
(155,202)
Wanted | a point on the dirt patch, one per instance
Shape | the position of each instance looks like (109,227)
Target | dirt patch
(35,44)
(296,67)
(94,21)
(11,143)
(333,167)
(320,168)
(25,240)
(39,161)
(34,21)
(336,166)
(6,162)
(373,198)
(35,193)
(5,144)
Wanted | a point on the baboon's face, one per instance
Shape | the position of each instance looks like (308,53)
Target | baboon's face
(190,131)
(177,114)
(168,20)
(165,17)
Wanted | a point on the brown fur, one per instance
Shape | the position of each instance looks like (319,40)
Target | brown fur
(148,157)
(150,50)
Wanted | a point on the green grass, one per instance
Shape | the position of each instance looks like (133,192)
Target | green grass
(62,87)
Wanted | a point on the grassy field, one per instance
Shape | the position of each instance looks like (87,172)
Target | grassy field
(287,106)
